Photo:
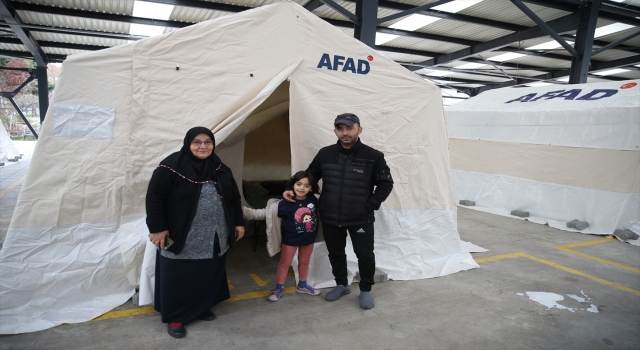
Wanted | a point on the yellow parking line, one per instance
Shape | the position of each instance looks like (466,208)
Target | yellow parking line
(576,272)
(149,309)
(567,248)
(265,293)
(10,187)
(498,257)
(5,220)
(124,313)
(560,267)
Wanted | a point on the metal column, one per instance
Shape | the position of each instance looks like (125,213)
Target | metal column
(365,29)
(43,91)
(584,43)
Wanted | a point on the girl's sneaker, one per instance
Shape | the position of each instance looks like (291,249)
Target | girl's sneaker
(307,290)
(276,294)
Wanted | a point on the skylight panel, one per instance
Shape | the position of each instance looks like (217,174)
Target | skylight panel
(548,45)
(382,38)
(470,66)
(611,71)
(144,9)
(439,73)
(539,83)
(456,6)
(610,29)
(414,22)
(145,30)
(152,10)
(506,57)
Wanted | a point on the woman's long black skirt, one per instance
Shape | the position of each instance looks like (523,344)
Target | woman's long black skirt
(186,290)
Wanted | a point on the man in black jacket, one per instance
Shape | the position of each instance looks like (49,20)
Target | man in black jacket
(356,180)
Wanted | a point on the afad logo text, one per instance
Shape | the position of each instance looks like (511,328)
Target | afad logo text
(345,64)
(573,94)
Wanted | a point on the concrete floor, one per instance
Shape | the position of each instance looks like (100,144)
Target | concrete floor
(477,309)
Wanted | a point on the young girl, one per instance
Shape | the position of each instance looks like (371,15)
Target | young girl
(299,227)
(299,230)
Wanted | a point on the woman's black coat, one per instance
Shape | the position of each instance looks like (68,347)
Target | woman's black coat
(172,200)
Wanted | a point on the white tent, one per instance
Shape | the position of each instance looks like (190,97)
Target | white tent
(76,242)
(8,150)
(561,153)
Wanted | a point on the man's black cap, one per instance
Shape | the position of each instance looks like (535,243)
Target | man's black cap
(347,118)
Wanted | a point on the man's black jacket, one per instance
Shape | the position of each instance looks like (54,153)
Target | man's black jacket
(355,182)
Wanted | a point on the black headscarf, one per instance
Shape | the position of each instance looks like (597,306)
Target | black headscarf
(190,166)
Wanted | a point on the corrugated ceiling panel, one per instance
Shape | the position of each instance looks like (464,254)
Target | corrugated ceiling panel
(464,30)
(106,6)
(518,73)
(74,22)
(405,58)
(423,44)
(195,15)
(13,47)
(58,51)
(621,35)
(77,39)
(541,62)
(505,11)
(327,12)
(611,55)
(478,77)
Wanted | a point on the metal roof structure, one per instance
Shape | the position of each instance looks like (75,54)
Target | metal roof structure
(461,46)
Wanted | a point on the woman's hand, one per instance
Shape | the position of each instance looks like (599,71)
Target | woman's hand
(158,238)
(239,232)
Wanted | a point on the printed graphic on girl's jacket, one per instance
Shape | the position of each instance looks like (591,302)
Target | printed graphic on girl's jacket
(299,221)
(306,219)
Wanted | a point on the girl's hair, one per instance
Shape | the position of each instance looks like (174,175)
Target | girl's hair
(301,175)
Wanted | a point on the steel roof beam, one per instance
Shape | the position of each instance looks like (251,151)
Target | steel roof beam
(60,30)
(11,17)
(560,25)
(343,11)
(29,56)
(58,44)
(450,16)
(610,10)
(23,6)
(584,43)
(535,53)
(314,5)
(207,5)
(412,11)
(545,27)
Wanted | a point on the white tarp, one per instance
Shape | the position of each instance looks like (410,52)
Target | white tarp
(559,152)
(7,148)
(76,244)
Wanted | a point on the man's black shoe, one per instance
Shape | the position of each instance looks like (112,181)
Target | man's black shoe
(177,331)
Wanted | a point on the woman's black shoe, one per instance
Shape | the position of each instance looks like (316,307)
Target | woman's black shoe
(176,332)
(209,316)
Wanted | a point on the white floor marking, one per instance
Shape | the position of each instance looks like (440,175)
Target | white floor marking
(550,300)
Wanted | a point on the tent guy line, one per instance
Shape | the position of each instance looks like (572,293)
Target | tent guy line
(566,247)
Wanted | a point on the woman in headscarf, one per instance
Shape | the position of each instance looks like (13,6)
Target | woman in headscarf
(194,215)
